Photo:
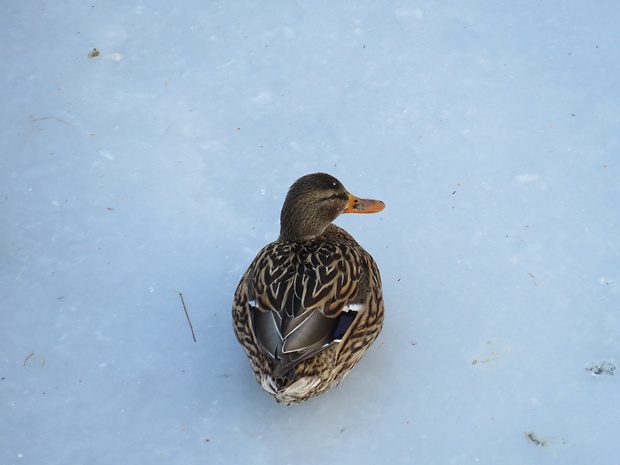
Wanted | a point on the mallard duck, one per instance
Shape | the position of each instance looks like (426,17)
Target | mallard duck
(310,304)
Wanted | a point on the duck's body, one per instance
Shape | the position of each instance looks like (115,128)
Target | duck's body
(310,304)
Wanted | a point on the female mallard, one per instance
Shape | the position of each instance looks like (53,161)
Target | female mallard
(310,304)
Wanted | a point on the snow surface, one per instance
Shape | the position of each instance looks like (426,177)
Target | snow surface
(490,129)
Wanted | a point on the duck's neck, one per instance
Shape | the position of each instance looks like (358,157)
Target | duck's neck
(295,226)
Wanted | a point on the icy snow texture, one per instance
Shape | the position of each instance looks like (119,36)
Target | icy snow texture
(490,129)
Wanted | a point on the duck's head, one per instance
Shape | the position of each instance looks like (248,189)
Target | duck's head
(314,201)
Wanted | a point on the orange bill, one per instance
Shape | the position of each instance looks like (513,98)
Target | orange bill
(357,205)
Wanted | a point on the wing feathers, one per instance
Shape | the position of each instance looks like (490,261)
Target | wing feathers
(307,297)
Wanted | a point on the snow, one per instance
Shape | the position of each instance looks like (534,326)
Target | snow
(158,167)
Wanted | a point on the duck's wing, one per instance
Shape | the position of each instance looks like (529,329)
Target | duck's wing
(304,297)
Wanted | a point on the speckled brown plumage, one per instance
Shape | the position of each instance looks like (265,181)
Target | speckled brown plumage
(310,304)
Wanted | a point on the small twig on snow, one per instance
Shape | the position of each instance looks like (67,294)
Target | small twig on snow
(187,315)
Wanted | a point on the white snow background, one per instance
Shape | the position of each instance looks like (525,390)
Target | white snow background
(490,129)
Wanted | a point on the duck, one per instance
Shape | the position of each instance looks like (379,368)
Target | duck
(311,303)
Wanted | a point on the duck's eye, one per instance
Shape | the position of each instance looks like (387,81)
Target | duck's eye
(334,196)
